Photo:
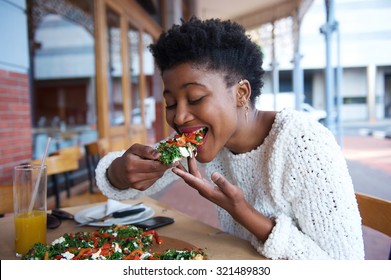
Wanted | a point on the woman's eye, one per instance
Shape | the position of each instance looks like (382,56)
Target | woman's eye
(195,101)
(170,107)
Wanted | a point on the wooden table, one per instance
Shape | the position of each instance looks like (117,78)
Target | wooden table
(217,245)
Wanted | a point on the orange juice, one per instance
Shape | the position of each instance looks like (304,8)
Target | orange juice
(30,228)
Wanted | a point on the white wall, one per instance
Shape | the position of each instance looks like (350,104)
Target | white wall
(365,40)
(266,101)
(355,112)
(354,82)
(14,54)
(66,51)
(365,33)
(318,98)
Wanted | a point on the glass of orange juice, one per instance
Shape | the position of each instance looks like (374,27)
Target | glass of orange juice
(30,205)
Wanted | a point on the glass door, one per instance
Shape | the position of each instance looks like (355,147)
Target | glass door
(114,69)
(63,74)
(121,82)
(137,131)
(134,75)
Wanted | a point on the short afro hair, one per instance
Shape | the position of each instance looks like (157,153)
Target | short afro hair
(215,44)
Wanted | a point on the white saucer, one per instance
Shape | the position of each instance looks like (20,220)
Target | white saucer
(85,215)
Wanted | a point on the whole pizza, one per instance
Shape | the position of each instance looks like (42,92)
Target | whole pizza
(118,242)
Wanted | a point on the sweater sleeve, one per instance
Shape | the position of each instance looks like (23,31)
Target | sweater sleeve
(111,192)
(314,180)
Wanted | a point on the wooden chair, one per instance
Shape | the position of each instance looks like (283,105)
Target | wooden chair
(56,165)
(74,151)
(93,153)
(375,213)
(6,199)
(119,143)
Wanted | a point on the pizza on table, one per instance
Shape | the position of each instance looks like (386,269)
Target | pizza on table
(118,242)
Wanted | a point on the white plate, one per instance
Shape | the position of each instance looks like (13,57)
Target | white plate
(85,215)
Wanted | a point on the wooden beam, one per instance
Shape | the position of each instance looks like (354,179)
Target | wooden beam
(270,14)
(101,59)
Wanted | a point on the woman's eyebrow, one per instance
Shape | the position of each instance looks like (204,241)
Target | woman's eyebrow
(166,91)
(193,84)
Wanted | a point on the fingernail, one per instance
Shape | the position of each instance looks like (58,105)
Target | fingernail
(155,153)
(174,170)
(215,176)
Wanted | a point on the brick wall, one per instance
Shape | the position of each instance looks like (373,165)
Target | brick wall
(15,123)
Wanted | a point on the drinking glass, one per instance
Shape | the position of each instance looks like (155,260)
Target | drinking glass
(30,206)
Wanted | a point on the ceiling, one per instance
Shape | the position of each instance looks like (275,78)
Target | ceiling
(251,13)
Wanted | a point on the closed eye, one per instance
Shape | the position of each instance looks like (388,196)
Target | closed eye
(171,107)
(195,101)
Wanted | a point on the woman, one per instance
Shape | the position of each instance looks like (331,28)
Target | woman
(279,179)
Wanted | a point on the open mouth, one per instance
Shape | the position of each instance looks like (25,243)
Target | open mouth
(202,131)
(182,145)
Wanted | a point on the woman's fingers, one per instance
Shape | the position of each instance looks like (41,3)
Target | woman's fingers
(187,177)
(138,168)
(204,187)
(135,164)
(200,184)
(223,194)
(234,196)
(145,152)
(224,185)
(221,182)
(193,169)
(144,184)
(144,159)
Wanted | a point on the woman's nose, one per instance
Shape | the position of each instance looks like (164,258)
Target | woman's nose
(182,114)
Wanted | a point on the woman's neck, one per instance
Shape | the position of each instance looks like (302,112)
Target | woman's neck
(252,133)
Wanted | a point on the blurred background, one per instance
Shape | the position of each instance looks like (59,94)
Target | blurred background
(81,72)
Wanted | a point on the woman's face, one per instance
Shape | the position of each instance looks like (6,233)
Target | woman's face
(197,98)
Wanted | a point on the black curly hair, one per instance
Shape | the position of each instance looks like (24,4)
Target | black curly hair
(215,44)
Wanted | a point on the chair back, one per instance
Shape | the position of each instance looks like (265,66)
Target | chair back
(98,148)
(6,199)
(94,152)
(119,143)
(58,164)
(73,151)
(375,213)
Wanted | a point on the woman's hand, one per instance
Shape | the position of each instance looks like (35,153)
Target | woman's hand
(224,194)
(227,196)
(138,168)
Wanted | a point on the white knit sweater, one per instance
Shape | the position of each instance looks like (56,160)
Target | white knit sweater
(298,177)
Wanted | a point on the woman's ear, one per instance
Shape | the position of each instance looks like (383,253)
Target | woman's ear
(243,93)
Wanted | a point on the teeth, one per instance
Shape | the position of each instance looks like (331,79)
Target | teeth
(199,130)
(196,131)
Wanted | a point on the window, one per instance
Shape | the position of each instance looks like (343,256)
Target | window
(63,71)
(134,74)
(114,68)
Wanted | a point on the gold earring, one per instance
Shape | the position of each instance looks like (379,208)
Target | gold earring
(246,109)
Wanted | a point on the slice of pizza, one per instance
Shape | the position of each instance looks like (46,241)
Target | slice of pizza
(180,146)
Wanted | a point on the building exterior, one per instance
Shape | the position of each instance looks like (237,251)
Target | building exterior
(77,71)
(15,110)
(364,44)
